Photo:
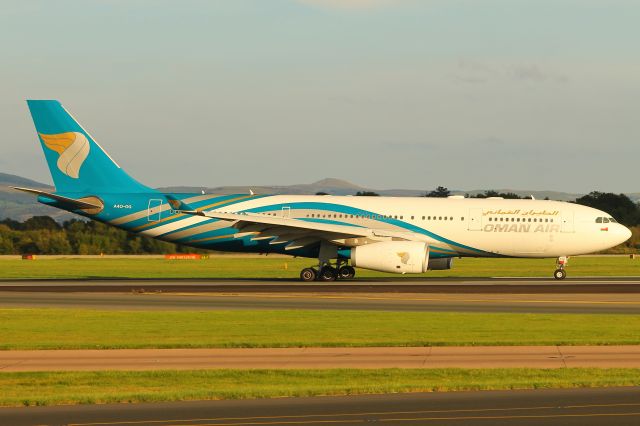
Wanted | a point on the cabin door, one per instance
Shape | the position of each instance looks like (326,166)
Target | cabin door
(155,210)
(475,219)
(567,222)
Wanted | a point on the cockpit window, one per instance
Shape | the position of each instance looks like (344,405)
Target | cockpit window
(605,220)
(598,220)
(612,220)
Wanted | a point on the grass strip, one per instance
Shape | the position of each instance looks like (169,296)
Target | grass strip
(53,388)
(289,268)
(43,328)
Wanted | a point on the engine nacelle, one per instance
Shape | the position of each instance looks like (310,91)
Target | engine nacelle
(400,257)
(440,264)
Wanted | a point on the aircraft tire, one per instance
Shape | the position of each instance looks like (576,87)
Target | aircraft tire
(308,275)
(559,274)
(346,272)
(328,273)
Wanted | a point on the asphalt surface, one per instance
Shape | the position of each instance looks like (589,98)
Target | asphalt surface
(612,296)
(440,285)
(292,358)
(566,407)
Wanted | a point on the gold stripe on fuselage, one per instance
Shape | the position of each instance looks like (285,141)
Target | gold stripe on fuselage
(157,222)
(143,213)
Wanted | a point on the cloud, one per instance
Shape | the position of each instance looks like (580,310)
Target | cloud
(472,72)
(533,73)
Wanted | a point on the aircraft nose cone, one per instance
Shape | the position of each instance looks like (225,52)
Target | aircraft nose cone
(626,233)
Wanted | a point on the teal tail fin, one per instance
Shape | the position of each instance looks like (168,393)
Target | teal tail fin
(76,161)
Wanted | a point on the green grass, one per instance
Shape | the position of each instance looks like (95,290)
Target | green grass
(89,387)
(87,329)
(289,268)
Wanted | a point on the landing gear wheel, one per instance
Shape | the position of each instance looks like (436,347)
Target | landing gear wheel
(346,272)
(308,274)
(328,273)
(559,274)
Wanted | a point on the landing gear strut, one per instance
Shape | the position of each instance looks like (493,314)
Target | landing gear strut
(560,273)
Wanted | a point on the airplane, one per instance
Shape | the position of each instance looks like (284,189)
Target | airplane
(404,235)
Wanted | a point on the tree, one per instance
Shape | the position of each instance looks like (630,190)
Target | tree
(439,192)
(617,205)
(41,222)
(493,193)
(367,194)
(322,193)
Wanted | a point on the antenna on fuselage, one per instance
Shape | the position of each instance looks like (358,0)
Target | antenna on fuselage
(532,197)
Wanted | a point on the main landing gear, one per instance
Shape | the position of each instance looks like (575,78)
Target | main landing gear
(328,273)
(325,270)
(560,273)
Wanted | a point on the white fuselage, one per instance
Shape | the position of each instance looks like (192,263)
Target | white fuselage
(460,226)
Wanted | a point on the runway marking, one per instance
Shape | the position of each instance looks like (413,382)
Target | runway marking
(422,299)
(375,413)
(416,419)
(532,416)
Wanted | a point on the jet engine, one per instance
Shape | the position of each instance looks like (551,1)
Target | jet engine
(440,264)
(400,257)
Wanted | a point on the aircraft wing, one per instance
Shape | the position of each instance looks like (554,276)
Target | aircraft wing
(296,233)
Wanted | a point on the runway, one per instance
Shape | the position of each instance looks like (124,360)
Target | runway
(611,296)
(566,407)
(323,358)
(440,285)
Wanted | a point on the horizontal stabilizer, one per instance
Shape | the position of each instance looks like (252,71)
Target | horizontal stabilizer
(81,204)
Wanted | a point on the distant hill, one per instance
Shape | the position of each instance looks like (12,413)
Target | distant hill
(330,186)
(20,206)
(13,180)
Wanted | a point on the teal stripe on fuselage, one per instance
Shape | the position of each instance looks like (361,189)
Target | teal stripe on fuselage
(140,202)
(340,208)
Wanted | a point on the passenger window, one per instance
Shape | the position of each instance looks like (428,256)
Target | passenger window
(445,218)
(422,217)
(439,217)
(451,218)
(401,217)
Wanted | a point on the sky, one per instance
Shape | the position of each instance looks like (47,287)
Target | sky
(467,94)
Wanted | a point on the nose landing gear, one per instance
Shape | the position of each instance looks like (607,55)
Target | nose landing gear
(560,273)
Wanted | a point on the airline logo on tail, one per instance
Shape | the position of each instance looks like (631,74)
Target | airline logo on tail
(73,148)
